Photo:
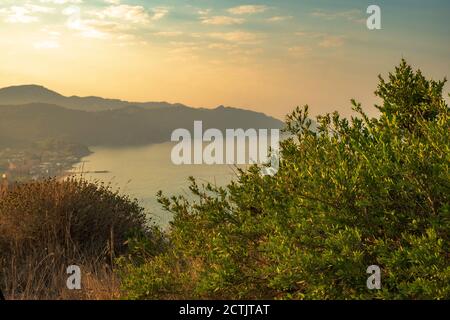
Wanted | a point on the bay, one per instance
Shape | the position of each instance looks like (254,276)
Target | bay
(141,172)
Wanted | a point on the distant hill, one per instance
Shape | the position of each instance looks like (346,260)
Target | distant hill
(25,94)
(117,126)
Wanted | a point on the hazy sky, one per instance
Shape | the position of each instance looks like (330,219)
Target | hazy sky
(262,55)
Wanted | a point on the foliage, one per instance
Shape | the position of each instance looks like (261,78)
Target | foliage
(353,193)
(45,226)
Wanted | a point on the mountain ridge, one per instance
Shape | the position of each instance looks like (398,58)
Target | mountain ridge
(34,93)
(25,124)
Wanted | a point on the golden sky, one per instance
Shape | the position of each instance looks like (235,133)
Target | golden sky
(268,56)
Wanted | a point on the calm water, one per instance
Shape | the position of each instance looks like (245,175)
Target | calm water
(142,171)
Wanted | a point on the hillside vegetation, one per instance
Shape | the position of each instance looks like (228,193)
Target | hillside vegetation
(349,194)
(357,192)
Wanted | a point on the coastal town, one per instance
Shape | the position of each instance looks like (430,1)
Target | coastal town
(50,158)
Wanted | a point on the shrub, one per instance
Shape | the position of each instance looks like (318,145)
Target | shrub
(48,225)
(353,193)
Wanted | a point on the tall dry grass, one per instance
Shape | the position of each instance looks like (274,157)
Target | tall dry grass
(45,226)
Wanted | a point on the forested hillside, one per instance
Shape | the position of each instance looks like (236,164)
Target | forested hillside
(126,126)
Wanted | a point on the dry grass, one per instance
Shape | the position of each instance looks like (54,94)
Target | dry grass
(48,225)
(99,282)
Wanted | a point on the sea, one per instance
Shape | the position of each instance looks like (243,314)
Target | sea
(141,171)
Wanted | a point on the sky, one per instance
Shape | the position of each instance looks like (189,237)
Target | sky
(267,56)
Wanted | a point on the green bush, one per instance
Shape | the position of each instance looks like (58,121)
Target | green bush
(349,194)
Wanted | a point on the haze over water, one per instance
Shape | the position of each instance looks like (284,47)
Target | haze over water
(141,172)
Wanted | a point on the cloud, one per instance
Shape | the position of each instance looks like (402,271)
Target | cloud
(46,44)
(350,15)
(322,39)
(38,9)
(24,14)
(301,33)
(222,20)
(310,34)
(332,42)
(126,37)
(111,22)
(114,21)
(61,1)
(246,52)
(109,27)
(169,33)
(236,36)
(87,28)
(203,12)
(221,46)
(18,15)
(248,9)
(134,14)
(159,13)
(279,18)
(51,33)
(299,51)
(183,51)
